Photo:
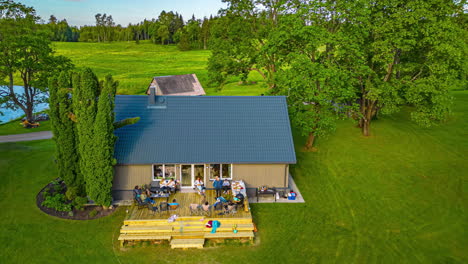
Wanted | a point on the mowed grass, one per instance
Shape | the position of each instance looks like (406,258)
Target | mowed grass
(134,65)
(399,196)
(15,127)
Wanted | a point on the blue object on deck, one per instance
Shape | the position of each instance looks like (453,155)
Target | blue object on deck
(215,226)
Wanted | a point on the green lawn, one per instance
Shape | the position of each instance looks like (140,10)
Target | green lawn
(396,197)
(135,65)
(14,127)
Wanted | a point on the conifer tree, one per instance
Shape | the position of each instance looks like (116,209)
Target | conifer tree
(99,183)
(64,131)
(85,108)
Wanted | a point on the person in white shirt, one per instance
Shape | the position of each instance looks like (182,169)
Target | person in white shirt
(200,186)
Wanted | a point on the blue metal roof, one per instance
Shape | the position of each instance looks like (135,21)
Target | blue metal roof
(204,129)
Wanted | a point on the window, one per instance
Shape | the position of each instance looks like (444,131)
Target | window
(169,171)
(224,171)
(161,171)
(158,171)
(215,171)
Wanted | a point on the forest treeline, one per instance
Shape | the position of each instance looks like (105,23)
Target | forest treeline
(168,28)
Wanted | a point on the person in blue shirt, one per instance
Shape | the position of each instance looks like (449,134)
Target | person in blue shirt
(218,185)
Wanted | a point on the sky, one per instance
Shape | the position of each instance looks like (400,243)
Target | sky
(81,12)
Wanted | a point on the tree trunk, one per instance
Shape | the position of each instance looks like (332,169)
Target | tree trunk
(310,141)
(29,114)
(365,127)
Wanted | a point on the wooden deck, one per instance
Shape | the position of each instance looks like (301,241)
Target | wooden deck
(184,199)
(188,230)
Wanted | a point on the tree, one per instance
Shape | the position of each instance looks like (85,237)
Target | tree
(85,92)
(315,73)
(163,33)
(26,52)
(410,54)
(64,130)
(241,40)
(99,185)
(184,42)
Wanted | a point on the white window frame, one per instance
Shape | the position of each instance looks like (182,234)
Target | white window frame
(163,171)
(221,171)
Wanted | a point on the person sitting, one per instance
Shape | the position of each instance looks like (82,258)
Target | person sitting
(200,186)
(219,200)
(164,185)
(171,185)
(174,204)
(292,195)
(206,207)
(146,198)
(137,191)
(226,186)
(239,198)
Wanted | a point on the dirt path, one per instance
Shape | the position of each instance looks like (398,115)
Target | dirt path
(26,136)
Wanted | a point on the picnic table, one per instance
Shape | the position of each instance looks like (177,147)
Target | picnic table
(160,195)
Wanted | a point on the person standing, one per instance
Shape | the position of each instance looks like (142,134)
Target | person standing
(218,185)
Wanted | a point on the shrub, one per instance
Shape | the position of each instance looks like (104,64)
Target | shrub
(79,202)
(58,188)
(71,193)
(57,202)
(93,213)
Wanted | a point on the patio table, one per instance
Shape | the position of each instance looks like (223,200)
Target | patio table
(269,191)
(161,195)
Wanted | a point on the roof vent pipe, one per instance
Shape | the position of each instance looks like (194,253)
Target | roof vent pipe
(152,96)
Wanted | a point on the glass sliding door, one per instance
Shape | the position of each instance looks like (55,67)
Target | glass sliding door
(199,172)
(186,175)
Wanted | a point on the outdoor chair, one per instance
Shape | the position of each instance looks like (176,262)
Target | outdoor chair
(140,203)
(163,207)
(218,207)
(195,209)
(231,209)
(152,209)
(206,211)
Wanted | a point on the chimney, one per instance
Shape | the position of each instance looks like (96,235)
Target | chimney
(156,101)
(152,96)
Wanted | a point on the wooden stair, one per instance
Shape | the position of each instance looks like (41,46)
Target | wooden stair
(187,243)
(185,232)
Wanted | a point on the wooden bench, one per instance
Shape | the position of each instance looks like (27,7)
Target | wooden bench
(132,237)
(229,227)
(249,235)
(145,229)
(187,243)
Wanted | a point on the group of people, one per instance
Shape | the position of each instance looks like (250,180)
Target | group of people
(143,195)
(218,185)
(168,185)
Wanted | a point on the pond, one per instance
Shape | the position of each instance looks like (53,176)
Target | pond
(9,114)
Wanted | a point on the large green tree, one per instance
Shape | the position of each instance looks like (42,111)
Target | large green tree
(315,71)
(26,53)
(241,40)
(410,54)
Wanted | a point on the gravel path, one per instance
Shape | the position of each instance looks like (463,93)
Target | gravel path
(26,136)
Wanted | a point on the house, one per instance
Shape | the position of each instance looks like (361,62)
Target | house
(184,137)
(186,84)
